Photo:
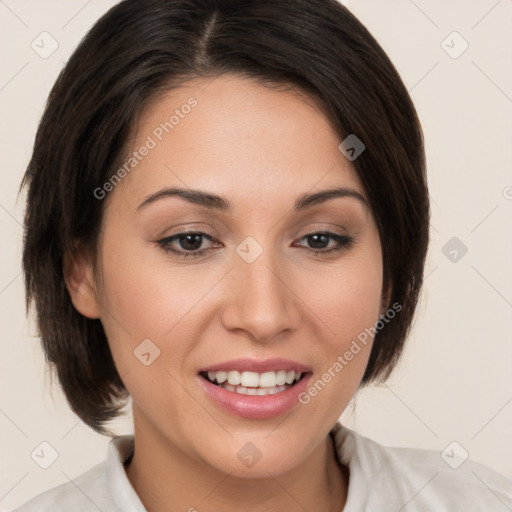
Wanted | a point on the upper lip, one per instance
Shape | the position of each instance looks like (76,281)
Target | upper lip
(258,365)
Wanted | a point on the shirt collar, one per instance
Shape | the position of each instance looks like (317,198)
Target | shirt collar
(120,450)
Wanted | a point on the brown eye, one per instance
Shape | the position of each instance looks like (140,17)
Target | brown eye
(188,243)
(320,240)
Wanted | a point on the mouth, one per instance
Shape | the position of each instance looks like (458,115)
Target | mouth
(254,383)
(255,388)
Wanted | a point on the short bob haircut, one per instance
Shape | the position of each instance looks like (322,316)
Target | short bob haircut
(139,50)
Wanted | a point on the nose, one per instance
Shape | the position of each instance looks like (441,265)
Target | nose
(260,299)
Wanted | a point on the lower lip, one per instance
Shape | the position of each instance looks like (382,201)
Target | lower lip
(255,406)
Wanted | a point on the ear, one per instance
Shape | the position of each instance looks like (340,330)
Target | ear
(79,278)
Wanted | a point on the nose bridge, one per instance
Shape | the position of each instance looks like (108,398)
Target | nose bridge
(261,302)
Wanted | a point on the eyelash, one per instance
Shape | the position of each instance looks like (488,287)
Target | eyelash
(344,242)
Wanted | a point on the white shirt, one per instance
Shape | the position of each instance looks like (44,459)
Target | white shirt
(381,479)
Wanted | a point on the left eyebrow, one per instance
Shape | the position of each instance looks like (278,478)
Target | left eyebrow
(213,201)
(308,200)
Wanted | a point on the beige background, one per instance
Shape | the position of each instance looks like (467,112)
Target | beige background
(455,381)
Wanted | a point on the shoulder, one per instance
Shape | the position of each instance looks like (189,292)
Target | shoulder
(103,487)
(421,479)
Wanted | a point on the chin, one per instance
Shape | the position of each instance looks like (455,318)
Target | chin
(253,456)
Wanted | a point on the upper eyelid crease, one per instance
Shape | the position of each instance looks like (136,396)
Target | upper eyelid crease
(213,201)
(343,241)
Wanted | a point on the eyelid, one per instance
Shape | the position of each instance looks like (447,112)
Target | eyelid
(165,243)
(342,242)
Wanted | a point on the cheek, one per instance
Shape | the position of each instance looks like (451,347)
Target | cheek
(146,294)
(347,296)
(351,302)
(349,305)
(147,320)
(146,297)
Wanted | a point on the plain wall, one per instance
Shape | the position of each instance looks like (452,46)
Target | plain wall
(454,382)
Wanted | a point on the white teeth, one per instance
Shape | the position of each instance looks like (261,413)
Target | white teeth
(248,380)
(241,390)
(280,377)
(251,379)
(234,378)
(268,380)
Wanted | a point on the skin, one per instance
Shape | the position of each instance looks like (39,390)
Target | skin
(260,148)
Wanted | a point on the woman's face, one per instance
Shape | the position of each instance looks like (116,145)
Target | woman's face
(264,288)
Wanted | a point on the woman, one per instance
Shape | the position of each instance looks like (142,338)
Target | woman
(227,222)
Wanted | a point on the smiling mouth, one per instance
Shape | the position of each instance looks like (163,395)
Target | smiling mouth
(253,383)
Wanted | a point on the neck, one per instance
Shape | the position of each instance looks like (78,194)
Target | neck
(167,479)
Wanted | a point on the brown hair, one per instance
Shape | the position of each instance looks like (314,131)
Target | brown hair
(139,49)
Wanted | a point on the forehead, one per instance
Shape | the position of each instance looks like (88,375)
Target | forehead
(237,138)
